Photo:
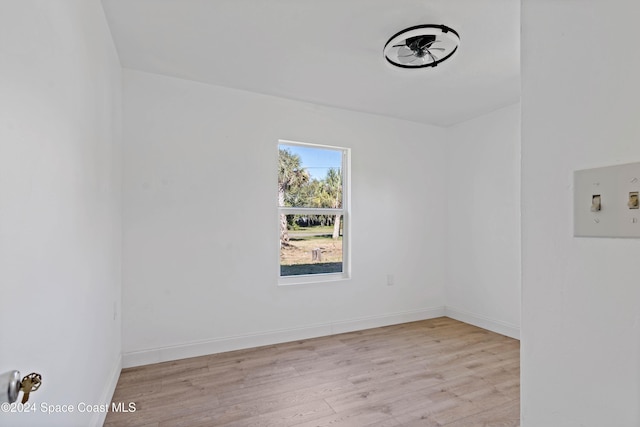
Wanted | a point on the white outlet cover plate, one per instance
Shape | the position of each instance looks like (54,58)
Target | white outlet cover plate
(613,184)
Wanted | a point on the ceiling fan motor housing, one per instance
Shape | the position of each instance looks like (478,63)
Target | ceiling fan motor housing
(418,42)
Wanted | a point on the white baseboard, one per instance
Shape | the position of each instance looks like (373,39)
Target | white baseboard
(107,394)
(483,322)
(201,348)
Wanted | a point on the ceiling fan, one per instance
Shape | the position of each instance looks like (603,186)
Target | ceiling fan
(421,46)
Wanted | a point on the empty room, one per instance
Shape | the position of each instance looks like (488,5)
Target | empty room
(319,213)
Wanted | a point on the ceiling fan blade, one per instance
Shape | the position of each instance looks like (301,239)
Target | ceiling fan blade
(433,58)
(407,59)
(437,48)
(427,44)
(405,55)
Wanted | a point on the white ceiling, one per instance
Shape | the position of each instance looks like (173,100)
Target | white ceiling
(328,52)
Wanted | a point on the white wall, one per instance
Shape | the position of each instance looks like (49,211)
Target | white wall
(483,218)
(60,198)
(200,220)
(581,296)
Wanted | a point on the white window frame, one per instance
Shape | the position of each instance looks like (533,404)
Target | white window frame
(345,211)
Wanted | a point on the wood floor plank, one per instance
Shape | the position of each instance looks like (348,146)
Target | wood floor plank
(505,415)
(366,416)
(286,417)
(437,372)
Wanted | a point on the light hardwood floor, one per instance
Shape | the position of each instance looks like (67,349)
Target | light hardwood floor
(437,372)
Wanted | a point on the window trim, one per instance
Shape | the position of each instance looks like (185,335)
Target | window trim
(345,211)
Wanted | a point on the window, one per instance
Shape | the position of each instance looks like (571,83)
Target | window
(313,212)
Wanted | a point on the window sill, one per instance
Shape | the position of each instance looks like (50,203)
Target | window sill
(306,279)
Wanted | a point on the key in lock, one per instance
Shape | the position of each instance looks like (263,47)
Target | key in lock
(29,384)
(11,386)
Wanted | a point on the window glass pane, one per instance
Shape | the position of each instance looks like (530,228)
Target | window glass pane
(311,247)
(309,177)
